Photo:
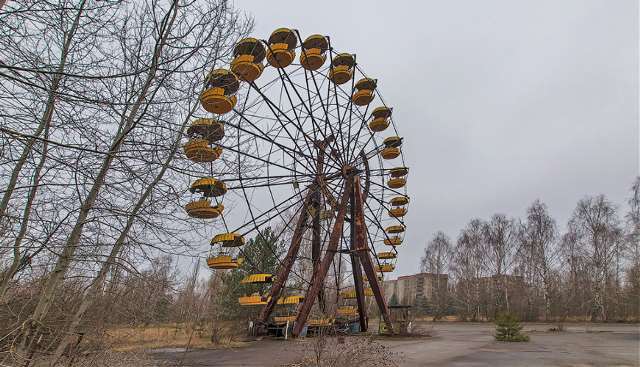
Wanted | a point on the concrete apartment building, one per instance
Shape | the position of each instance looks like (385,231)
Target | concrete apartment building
(417,290)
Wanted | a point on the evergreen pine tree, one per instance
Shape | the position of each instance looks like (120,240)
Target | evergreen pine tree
(508,329)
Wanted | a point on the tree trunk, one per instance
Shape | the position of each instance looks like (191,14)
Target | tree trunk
(17,257)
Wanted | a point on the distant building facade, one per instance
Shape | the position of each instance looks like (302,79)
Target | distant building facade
(418,290)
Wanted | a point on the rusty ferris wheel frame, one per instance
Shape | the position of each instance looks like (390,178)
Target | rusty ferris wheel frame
(310,129)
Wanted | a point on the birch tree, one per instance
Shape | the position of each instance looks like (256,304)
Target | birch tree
(594,227)
(436,258)
(537,252)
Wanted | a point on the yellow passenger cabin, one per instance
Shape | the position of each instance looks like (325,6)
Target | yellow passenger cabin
(398,228)
(396,182)
(364,94)
(248,57)
(386,255)
(281,50)
(342,68)
(199,151)
(390,152)
(228,239)
(253,300)
(393,241)
(202,209)
(219,96)
(257,279)
(399,200)
(397,212)
(386,268)
(222,262)
(314,50)
(208,187)
(380,120)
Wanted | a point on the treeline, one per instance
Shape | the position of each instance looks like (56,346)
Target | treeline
(590,271)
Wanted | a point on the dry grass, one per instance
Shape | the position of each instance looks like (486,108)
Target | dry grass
(353,351)
(125,338)
(107,358)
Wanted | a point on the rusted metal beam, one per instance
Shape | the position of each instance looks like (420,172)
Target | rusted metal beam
(317,279)
(287,263)
(357,271)
(315,242)
(316,246)
(362,249)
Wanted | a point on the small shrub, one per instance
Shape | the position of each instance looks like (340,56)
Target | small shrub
(508,329)
(353,351)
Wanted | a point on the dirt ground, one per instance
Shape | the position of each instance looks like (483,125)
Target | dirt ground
(456,344)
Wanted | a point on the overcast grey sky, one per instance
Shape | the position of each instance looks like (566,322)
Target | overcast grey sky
(501,101)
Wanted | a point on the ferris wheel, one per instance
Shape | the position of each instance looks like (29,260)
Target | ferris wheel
(312,146)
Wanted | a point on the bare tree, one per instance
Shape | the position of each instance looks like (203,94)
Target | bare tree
(595,233)
(500,241)
(468,266)
(633,250)
(436,258)
(537,253)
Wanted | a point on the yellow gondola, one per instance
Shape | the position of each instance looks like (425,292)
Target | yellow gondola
(386,268)
(284,319)
(313,52)
(219,97)
(320,322)
(257,279)
(386,255)
(351,293)
(248,56)
(341,68)
(381,112)
(348,294)
(396,182)
(397,212)
(228,239)
(209,129)
(365,88)
(222,262)
(281,50)
(399,171)
(347,311)
(378,124)
(202,209)
(253,300)
(380,120)
(290,300)
(208,187)
(392,142)
(390,153)
(395,229)
(399,200)
(199,150)
(393,241)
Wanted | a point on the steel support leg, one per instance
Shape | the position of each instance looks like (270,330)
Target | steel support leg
(287,263)
(317,280)
(357,270)
(362,250)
